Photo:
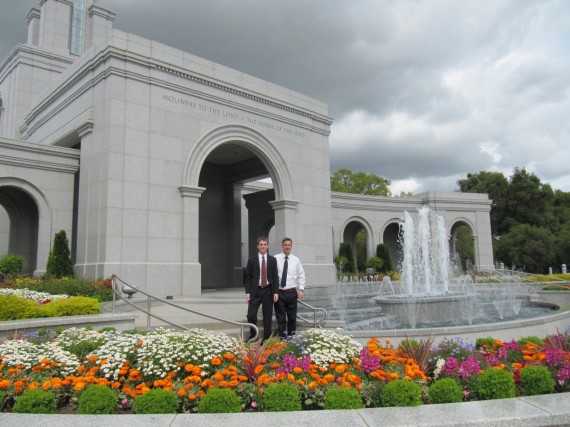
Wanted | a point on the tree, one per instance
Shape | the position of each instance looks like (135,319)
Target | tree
(345,250)
(496,185)
(528,201)
(59,260)
(528,247)
(383,253)
(346,181)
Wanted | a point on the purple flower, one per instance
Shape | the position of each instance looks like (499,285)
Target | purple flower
(368,362)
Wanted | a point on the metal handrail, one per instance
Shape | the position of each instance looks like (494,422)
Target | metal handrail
(315,309)
(117,291)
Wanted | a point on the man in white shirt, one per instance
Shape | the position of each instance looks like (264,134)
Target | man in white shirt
(291,288)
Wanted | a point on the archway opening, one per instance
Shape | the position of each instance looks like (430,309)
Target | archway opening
(462,246)
(19,223)
(357,236)
(391,239)
(234,210)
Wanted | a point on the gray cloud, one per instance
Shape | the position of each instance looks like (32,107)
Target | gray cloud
(422,92)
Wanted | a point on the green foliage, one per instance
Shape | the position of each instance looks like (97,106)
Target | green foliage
(383,253)
(12,265)
(531,340)
(97,399)
(346,181)
(495,384)
(340,262)
(72,306)
(219,401)
(375,263)
(528,247)
(59,261)
(484,342)
(401,393)
(371,392)
(13,307)
(445,390)
(345,250)
(100,289)
(535,380)
(83,348)
(281,397)
(343,398)
(35,401)
(464,246)
(156,401)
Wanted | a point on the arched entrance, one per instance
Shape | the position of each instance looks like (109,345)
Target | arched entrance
(391,238)
(358,233)
(463,246)
(219,168)
(19,219)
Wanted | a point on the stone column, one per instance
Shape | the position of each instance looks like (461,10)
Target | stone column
(191,269)
(285,224)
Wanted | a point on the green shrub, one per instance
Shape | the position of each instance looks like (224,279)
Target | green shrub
(343,398)
(535,380)
(445,390)
(371,392)
(97,399)
(12,265)
(2,397)
(401,393)
(383,253)
(13,307)
(375,263)
(35,401)
(281,397)
(495,384)
(59,260)
(218,401)
(72,306)
(345,250)
(156,401)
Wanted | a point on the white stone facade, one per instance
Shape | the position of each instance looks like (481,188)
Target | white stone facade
(141,152)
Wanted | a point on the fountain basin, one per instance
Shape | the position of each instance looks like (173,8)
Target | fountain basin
(427,310)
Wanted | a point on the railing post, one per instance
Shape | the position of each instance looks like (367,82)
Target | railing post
(148,306)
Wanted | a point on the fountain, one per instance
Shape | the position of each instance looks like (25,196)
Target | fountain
(427,295)
(430,300)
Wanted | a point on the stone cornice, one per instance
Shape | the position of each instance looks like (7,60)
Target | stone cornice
(37,156)
(102,60)
(188,191)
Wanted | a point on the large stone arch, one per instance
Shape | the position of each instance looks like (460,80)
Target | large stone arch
(277,205)
(30,232)
(250,139)
(349,230)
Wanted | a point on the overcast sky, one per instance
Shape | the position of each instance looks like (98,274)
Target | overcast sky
(421,92)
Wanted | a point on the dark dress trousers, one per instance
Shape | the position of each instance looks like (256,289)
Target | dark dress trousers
(258,295)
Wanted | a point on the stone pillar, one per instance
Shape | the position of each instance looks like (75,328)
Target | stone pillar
(285,224)
(33,19)
(191,269)
(99,23)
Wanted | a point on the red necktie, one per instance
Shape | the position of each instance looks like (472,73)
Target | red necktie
(263,273)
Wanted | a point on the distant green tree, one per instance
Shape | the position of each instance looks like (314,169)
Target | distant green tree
(346,181)
(527,247)
(59,261)
(383,253)
(345,250)
(496,185)
(528,201)
(464,246)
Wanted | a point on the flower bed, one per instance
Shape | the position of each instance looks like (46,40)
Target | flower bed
(191,363)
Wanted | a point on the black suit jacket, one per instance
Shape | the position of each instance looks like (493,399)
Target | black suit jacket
(253,272)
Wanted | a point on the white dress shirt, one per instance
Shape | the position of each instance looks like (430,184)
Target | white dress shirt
(295,272)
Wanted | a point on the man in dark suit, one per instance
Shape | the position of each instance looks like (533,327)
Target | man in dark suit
(261,287)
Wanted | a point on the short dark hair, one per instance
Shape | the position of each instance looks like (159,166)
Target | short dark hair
(262,239)
(286,239)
